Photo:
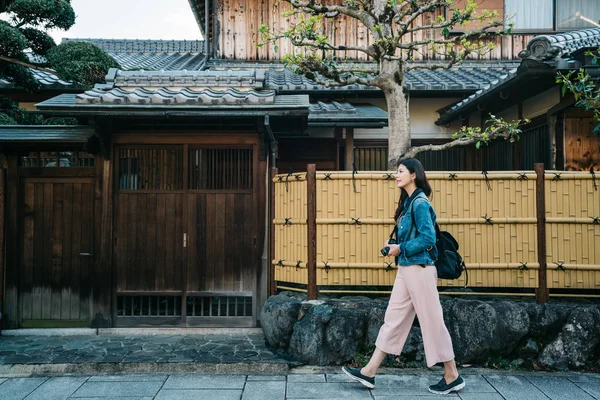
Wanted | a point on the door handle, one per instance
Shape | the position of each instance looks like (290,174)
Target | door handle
(85,255)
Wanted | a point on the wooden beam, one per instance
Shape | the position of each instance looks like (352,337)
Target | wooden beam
(2,232)
(541,293)
(349,149)
(311,190)
(339,137)
(272,283)
(10,316)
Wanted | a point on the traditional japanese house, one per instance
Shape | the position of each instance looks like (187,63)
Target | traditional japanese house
(153,211)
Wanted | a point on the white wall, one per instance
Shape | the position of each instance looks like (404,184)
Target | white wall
(423,114)
(541,103)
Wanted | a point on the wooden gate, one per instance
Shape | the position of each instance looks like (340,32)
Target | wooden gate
(57,251)
(184,245)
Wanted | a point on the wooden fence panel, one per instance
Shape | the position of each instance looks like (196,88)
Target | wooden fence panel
(492,216)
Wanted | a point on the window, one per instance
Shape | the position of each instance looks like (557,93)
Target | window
(577,14)
(150,169)
(48,159)
(531,15)
(220,169)
(553,15)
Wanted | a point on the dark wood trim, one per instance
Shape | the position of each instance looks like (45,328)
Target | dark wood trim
(541,293)
(2,237)
(10,317)
(262,244)
(220,293)
(221,322)
(149,293)
(349,160)
(184,251)
(272,283)
(104,269)
(311,193)
(339,139)
(124,322)
(174,138)
(256,255)
(560,141)
(56,172)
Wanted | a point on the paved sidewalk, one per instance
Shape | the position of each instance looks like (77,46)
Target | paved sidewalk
(488,385)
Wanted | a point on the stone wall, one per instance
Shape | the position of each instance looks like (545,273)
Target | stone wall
(556,335)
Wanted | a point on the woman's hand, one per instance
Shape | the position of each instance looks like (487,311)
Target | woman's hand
(394,250)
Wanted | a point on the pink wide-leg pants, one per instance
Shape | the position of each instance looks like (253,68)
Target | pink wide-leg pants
(415,292)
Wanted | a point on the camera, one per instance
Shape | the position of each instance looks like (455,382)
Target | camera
(386,249)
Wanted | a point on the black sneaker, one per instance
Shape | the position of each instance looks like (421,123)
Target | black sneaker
(355,374)
(444,388)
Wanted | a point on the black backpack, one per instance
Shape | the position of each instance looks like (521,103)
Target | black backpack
(449,262)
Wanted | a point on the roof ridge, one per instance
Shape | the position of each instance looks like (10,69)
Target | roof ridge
(551,47)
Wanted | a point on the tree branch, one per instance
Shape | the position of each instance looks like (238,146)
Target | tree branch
(424,9)
(413,151)
(328,46)
(497,128)
(24,64)
(331,11)
(454,40)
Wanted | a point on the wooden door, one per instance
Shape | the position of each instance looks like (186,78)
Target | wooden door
(222,233)
(57,254)
(148,242)
(185,235)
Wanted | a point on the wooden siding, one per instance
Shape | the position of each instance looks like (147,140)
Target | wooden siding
(353,221)
(185,232)
(57,250)
(240,20)
(582,148)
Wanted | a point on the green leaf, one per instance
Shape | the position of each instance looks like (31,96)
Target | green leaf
(478,145)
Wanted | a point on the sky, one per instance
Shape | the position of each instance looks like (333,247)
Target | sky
(132,19)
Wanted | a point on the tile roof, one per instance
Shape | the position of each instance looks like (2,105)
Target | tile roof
(342,114)
(552,47)
(208,78)
(46,133)
(465,77)
(227,105)
(183,97)
(547,49)
(143,46)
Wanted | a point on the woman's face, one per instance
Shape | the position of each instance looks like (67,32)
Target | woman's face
(404,177)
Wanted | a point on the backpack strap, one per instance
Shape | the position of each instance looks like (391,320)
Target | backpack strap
(437,232)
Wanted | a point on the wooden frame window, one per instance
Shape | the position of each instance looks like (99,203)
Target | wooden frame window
(371,155)
(53,159)
(150,168)
(220,168)
(539,15)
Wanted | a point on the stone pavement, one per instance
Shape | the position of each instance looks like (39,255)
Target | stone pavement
(229,364)
(136,351)
(486,385)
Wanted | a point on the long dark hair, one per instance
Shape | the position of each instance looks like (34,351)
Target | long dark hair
(413,166)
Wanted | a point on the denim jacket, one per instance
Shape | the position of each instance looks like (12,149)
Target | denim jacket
(416,243)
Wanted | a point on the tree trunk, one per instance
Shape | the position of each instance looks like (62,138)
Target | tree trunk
(391,81)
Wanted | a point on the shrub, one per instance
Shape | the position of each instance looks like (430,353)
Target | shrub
(81,62)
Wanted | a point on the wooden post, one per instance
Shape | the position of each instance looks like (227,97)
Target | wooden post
(311,228)
(541,293)
(2,172)
(10,317)
(349,160)
(272,284)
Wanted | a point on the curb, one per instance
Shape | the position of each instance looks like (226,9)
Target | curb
(130,331)
(253,368)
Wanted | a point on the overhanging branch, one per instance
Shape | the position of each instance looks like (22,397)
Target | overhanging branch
(27,65)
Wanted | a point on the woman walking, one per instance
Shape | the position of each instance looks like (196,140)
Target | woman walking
(415,288)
